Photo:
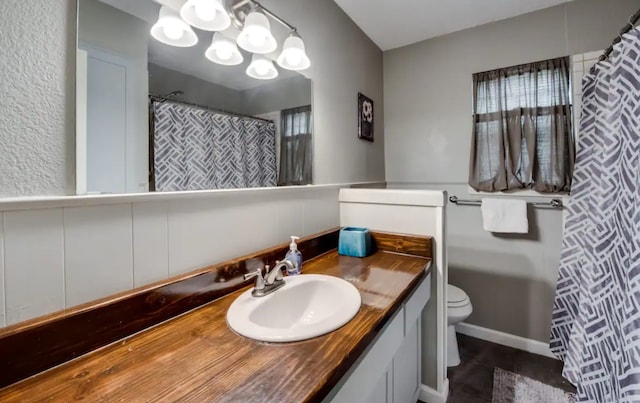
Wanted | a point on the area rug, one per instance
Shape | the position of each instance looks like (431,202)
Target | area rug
(509,387)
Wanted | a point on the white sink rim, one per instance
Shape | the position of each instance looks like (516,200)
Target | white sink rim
(242,307)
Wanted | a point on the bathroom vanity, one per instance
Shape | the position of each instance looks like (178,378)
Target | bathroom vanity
(190,354)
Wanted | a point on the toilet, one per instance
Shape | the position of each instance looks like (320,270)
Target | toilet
(458,309)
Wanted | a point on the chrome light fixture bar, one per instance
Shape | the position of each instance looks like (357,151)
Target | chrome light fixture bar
(293,55)
(178,16)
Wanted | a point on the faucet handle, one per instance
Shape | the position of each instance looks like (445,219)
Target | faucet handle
(259,279)
(279,269)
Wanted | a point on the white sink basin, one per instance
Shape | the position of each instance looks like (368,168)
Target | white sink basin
(308,305)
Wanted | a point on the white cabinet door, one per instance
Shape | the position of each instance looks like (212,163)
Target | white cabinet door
(381,390)
(390,369)
(406,367)
(358,384)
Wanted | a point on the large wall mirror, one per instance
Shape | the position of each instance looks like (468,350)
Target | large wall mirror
(163,105)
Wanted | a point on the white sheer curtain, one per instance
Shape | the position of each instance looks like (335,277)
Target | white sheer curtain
(522,136)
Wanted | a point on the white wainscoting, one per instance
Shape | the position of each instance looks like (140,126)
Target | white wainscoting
(61,253)
(34,263)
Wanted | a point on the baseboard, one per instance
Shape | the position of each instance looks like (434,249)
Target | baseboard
(506,339)
(430,395)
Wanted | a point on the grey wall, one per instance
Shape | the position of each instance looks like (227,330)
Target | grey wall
(278,95)
(163,81)
(343,61)
(427,92)
(37,113)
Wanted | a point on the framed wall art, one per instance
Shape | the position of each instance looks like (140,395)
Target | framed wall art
(365,118)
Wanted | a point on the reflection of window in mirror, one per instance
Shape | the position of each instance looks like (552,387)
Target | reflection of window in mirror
(155,117)
(295,146)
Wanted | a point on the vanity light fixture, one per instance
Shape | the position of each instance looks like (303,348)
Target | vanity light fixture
(293,56)
(256,34)
(208,15)
(172,30)
(261,68)
(223,51)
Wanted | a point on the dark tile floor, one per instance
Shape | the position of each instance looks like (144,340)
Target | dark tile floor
(472,380)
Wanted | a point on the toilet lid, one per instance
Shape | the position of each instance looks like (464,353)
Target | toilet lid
(456,297)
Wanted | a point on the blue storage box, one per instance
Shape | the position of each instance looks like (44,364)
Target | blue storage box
(355,242)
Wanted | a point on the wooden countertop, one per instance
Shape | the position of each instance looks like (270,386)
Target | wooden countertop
(196,357)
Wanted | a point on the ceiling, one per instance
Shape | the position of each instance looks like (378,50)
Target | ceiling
(392,24)
(191,60)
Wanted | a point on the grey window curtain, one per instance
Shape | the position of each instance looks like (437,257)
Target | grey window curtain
(296,146)
(197,149)
(522,136)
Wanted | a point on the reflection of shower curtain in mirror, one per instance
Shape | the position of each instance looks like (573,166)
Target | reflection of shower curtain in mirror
(197,149)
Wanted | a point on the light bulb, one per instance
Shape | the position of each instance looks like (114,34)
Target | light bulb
(224,52)
(205,10)
(172,30)
(262,69)
(293,58)
(257,39)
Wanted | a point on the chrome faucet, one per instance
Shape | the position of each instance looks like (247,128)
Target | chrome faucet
(276,273)
(271,281)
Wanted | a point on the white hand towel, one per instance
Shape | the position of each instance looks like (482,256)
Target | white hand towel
(505,215)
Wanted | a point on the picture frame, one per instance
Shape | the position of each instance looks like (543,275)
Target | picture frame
(365,117)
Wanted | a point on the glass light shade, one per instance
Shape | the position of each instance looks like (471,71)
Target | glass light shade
(208,15)
(256,35)
(223,51)
(171,30)
(262,68)
(293,56)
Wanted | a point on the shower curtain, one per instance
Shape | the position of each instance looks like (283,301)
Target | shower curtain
(596,320)
(196,149)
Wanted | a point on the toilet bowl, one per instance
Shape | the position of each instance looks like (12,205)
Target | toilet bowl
(458,309)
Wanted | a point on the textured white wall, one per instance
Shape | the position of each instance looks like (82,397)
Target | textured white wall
(427,88)
(37,125)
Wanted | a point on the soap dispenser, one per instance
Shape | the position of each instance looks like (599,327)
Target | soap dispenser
(294,256)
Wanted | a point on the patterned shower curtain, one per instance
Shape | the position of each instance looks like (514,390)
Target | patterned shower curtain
(596,320)
(196,149)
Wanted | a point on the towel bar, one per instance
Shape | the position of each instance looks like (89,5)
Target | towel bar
(555,203)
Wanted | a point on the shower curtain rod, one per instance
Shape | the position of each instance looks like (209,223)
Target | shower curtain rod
(633,20)
(159,98)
